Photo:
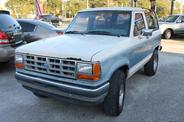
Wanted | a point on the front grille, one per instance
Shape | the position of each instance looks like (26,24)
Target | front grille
(52,66)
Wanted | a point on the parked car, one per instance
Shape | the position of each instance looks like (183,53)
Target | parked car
(34,30)
(54,20)
(171,25)
(10,36)
(91,62)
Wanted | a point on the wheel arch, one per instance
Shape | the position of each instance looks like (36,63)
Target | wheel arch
(169,29)
(124,68)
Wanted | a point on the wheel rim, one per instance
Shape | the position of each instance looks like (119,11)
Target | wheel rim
(155,63)
(168,34)
(121,96)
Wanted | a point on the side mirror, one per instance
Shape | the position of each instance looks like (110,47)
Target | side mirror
(147,32)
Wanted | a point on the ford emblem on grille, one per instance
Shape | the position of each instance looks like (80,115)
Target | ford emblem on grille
(46,65)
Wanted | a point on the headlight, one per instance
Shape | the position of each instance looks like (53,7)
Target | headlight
(89,71)
(19,61)
(19,58)
(84,68)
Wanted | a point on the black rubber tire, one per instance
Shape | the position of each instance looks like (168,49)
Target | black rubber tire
(111,102)
(151,67)
(168,34)
(39,95)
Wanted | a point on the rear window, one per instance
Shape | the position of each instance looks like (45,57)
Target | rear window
(45,25)
(7,22)
(27,27)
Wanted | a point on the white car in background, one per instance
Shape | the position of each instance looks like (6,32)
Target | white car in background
(171,25)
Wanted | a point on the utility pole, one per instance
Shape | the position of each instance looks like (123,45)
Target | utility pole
(172,7)
(87,3)
(153,5)
(133,3)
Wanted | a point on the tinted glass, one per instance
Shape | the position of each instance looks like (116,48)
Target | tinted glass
(170,18)
(45,25)
(102,22)
(182,19)
(27,27)
(7,22)
(139,24)
(151,20)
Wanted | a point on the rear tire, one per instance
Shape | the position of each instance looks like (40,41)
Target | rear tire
(151,67)
(114,101)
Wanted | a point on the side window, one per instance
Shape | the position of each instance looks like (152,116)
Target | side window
(41,29)
(27,27)
(182,19)
(139,24)
(151,20)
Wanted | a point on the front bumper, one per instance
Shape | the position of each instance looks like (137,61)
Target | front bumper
(63,90)
(6,53)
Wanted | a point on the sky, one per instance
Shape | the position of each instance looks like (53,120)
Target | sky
(2,2)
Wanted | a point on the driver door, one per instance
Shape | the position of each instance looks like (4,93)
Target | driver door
(180,25)
(139,42)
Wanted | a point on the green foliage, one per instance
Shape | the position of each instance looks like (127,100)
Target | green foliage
(25,7)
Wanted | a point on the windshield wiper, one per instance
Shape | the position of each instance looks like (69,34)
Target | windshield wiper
(73,32)
(101,33)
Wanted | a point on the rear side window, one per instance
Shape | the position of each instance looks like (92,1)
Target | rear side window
(182,19)
(139,24)
(151,20)
(7,22)
(27,27)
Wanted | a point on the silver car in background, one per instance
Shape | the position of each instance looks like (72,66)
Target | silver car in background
(171,25)
(10,36)
(34,30)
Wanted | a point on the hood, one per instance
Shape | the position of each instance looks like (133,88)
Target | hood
(75,46)
(161,23)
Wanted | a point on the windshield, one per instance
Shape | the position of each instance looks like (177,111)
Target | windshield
(111,23)
(170,19)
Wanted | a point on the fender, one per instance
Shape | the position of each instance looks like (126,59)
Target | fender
(118,64)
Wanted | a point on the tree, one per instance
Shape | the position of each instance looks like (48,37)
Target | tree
(22,8)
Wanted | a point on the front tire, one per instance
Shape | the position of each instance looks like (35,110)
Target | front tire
(151,67)
(114,101)
(168,34)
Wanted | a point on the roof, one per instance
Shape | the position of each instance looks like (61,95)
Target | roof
(33,21)
(28,20)
(36,22)
(113,9)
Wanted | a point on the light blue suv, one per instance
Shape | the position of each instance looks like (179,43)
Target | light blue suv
(91,62)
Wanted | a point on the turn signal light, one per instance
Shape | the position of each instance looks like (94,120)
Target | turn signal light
(19,65)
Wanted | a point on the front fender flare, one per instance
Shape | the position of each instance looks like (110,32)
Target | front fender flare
(116,65)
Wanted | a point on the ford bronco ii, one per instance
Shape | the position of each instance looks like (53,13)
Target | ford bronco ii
(90,63)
